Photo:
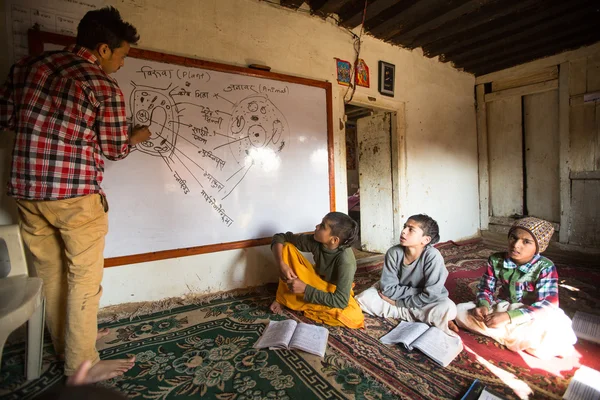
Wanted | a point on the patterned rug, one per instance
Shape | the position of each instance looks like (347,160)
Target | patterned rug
(205,350)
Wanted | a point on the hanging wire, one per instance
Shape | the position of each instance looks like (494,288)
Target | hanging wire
(357,43)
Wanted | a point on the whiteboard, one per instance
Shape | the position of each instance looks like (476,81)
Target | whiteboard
(231,158)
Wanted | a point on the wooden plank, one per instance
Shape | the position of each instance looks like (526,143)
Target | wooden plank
(577,77)
(577,228)
(523,90)
(329,6)
(352,15)
(574,24)
(505,146)
(585,227)
(418,13)
(529,50)
(593,73)
(583,137)
(541,63)
(585,175)
(563,151)
(482,149)
(445,17)
(597,135)
(462,35)
(542,75)
(474,23)
(542,180)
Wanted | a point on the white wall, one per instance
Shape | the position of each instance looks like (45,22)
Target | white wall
(441,139)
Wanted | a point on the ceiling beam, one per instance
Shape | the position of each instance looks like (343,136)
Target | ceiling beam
(515,62)
(294,4)
(484,16)
(555,27)
(407,37)
(327,6)
(539,52)
(551,44)
(392,20)
(352,15)
(502,26)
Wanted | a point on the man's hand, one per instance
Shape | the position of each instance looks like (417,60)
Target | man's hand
(139,134)
(480,313)
(497,320)
(297,286)
(387,299)
(286,273)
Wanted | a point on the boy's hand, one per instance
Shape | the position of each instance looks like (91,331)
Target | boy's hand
(297,286)
(286,273)
(139,134)
(480,313)
(386,299)
(497,320)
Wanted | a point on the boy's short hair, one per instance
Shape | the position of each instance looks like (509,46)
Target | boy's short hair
(429,226)
(541,231)
(105,26)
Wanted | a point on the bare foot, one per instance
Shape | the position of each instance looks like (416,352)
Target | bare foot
(101,333)
(276,307)
(452,326)
(103,370)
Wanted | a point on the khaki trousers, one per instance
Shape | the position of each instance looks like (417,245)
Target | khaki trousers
(66,240)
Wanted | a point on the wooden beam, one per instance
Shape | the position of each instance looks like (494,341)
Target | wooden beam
(536,49)
(541,63)
(563,152)
(294,4)
(352,15)
(434,23)
(482,149)
(487,16)
(541,75)
(473,37)
(585,175)
(328,6)
(533,55)
(407,17)
(385,19)
(523,90)
(533,37)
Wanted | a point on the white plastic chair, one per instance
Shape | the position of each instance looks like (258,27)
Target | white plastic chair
(21,300)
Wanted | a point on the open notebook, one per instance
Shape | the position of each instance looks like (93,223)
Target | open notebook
(439,346)
(291,335)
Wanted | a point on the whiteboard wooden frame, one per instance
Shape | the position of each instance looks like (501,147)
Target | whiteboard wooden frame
(37,39)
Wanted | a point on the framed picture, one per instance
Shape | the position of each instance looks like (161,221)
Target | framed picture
(343,72)
(362,73)
(387,78)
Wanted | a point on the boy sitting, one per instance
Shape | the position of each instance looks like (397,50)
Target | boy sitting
(525,314)
(412,282)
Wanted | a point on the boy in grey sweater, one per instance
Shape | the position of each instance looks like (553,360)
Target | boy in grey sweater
(412,281)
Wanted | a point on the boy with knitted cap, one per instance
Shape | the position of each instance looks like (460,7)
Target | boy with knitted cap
(524,315)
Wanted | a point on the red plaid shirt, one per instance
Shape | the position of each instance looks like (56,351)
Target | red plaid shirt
(66,113)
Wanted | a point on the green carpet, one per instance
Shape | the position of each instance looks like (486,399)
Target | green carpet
(205,350)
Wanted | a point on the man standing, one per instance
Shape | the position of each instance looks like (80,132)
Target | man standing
(67,112)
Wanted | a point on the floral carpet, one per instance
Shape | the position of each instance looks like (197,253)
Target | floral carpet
(205,350)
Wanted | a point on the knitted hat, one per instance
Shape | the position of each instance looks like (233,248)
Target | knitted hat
(538,228)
